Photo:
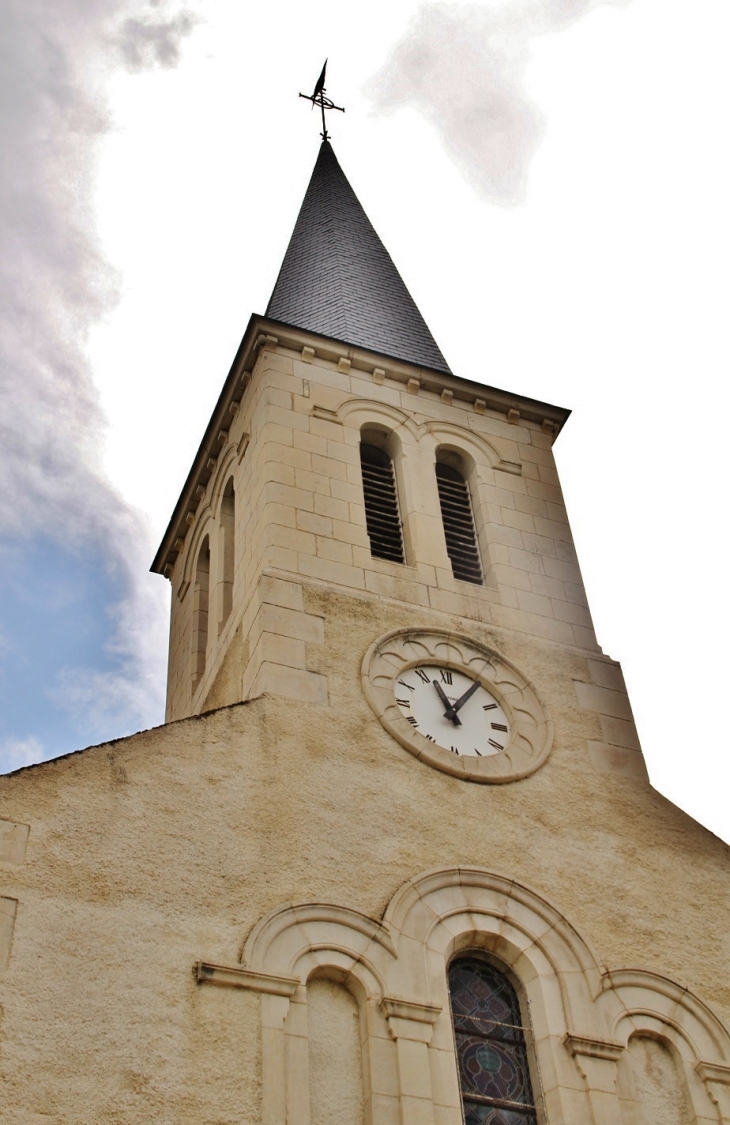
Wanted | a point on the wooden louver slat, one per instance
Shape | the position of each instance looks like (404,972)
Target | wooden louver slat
(381,504)
(458,520)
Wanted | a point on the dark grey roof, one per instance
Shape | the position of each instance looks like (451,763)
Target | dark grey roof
(338,280)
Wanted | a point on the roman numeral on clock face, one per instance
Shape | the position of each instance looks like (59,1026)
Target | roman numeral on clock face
(489,707)
(422,675)
(407,703)
(410,719)
(405,685)
(496,745)
(499,726)
(454,750)
(445,675)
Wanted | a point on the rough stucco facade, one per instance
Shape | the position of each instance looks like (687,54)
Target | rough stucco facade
(245,916)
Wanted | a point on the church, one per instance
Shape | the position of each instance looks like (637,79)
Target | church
(393,858)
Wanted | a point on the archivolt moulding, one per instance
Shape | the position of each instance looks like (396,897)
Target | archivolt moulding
(191,548)
(223,473)
(370,410)
(269,938)
(478,446)
(650,1002)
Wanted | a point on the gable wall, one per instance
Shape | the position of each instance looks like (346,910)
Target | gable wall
(167,848)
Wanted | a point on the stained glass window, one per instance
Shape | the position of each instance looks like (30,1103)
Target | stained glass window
(490,1046)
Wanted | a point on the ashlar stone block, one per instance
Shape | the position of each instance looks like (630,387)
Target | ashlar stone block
(13,840)
(8,909)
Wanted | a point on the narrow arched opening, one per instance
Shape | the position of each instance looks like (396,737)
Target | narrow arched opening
(458,521)
(227,541)
(380,494)
(201,595)
(491,1046)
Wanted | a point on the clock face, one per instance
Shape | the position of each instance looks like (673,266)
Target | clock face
(456,704)
(453,710)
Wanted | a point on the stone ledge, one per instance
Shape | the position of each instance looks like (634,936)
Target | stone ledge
(594,1048)
(235,976)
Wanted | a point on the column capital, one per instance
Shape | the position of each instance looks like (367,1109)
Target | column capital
(593,1048)
(408,1019)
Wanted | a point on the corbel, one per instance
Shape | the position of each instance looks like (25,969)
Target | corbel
(308,354)
(480,406)
(413,386)
(513,416)
(447,397)
(344,364)
(242,446)
(378,375)
(514,467)
(325,414)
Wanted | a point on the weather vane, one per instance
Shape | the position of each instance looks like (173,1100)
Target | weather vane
(319,97)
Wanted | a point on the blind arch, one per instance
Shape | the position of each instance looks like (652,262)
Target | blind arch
(201,594)
(336,1087)
(227,554)
(491,1049)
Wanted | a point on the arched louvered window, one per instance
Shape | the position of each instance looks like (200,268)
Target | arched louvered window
(490,1046)
(458,519)
(381,504)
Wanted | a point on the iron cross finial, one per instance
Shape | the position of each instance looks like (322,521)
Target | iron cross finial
(319,97)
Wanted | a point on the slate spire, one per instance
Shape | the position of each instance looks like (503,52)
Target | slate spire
(338,280)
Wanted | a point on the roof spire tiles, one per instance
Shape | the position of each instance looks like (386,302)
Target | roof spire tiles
(338,280)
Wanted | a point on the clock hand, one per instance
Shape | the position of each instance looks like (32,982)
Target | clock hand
(450,712)
(467,695)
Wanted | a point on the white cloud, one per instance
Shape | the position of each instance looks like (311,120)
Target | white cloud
(463,67)
(18,752)
(55,285)
(149,42)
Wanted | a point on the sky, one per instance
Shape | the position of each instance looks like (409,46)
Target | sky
(551,178)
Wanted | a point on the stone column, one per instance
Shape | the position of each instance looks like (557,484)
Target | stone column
(717,1083)
(411,1026)
(597,1061)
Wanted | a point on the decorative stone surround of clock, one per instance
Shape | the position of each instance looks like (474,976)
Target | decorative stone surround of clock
(456,705)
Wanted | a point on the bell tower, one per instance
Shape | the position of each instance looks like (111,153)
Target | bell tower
(346,465)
